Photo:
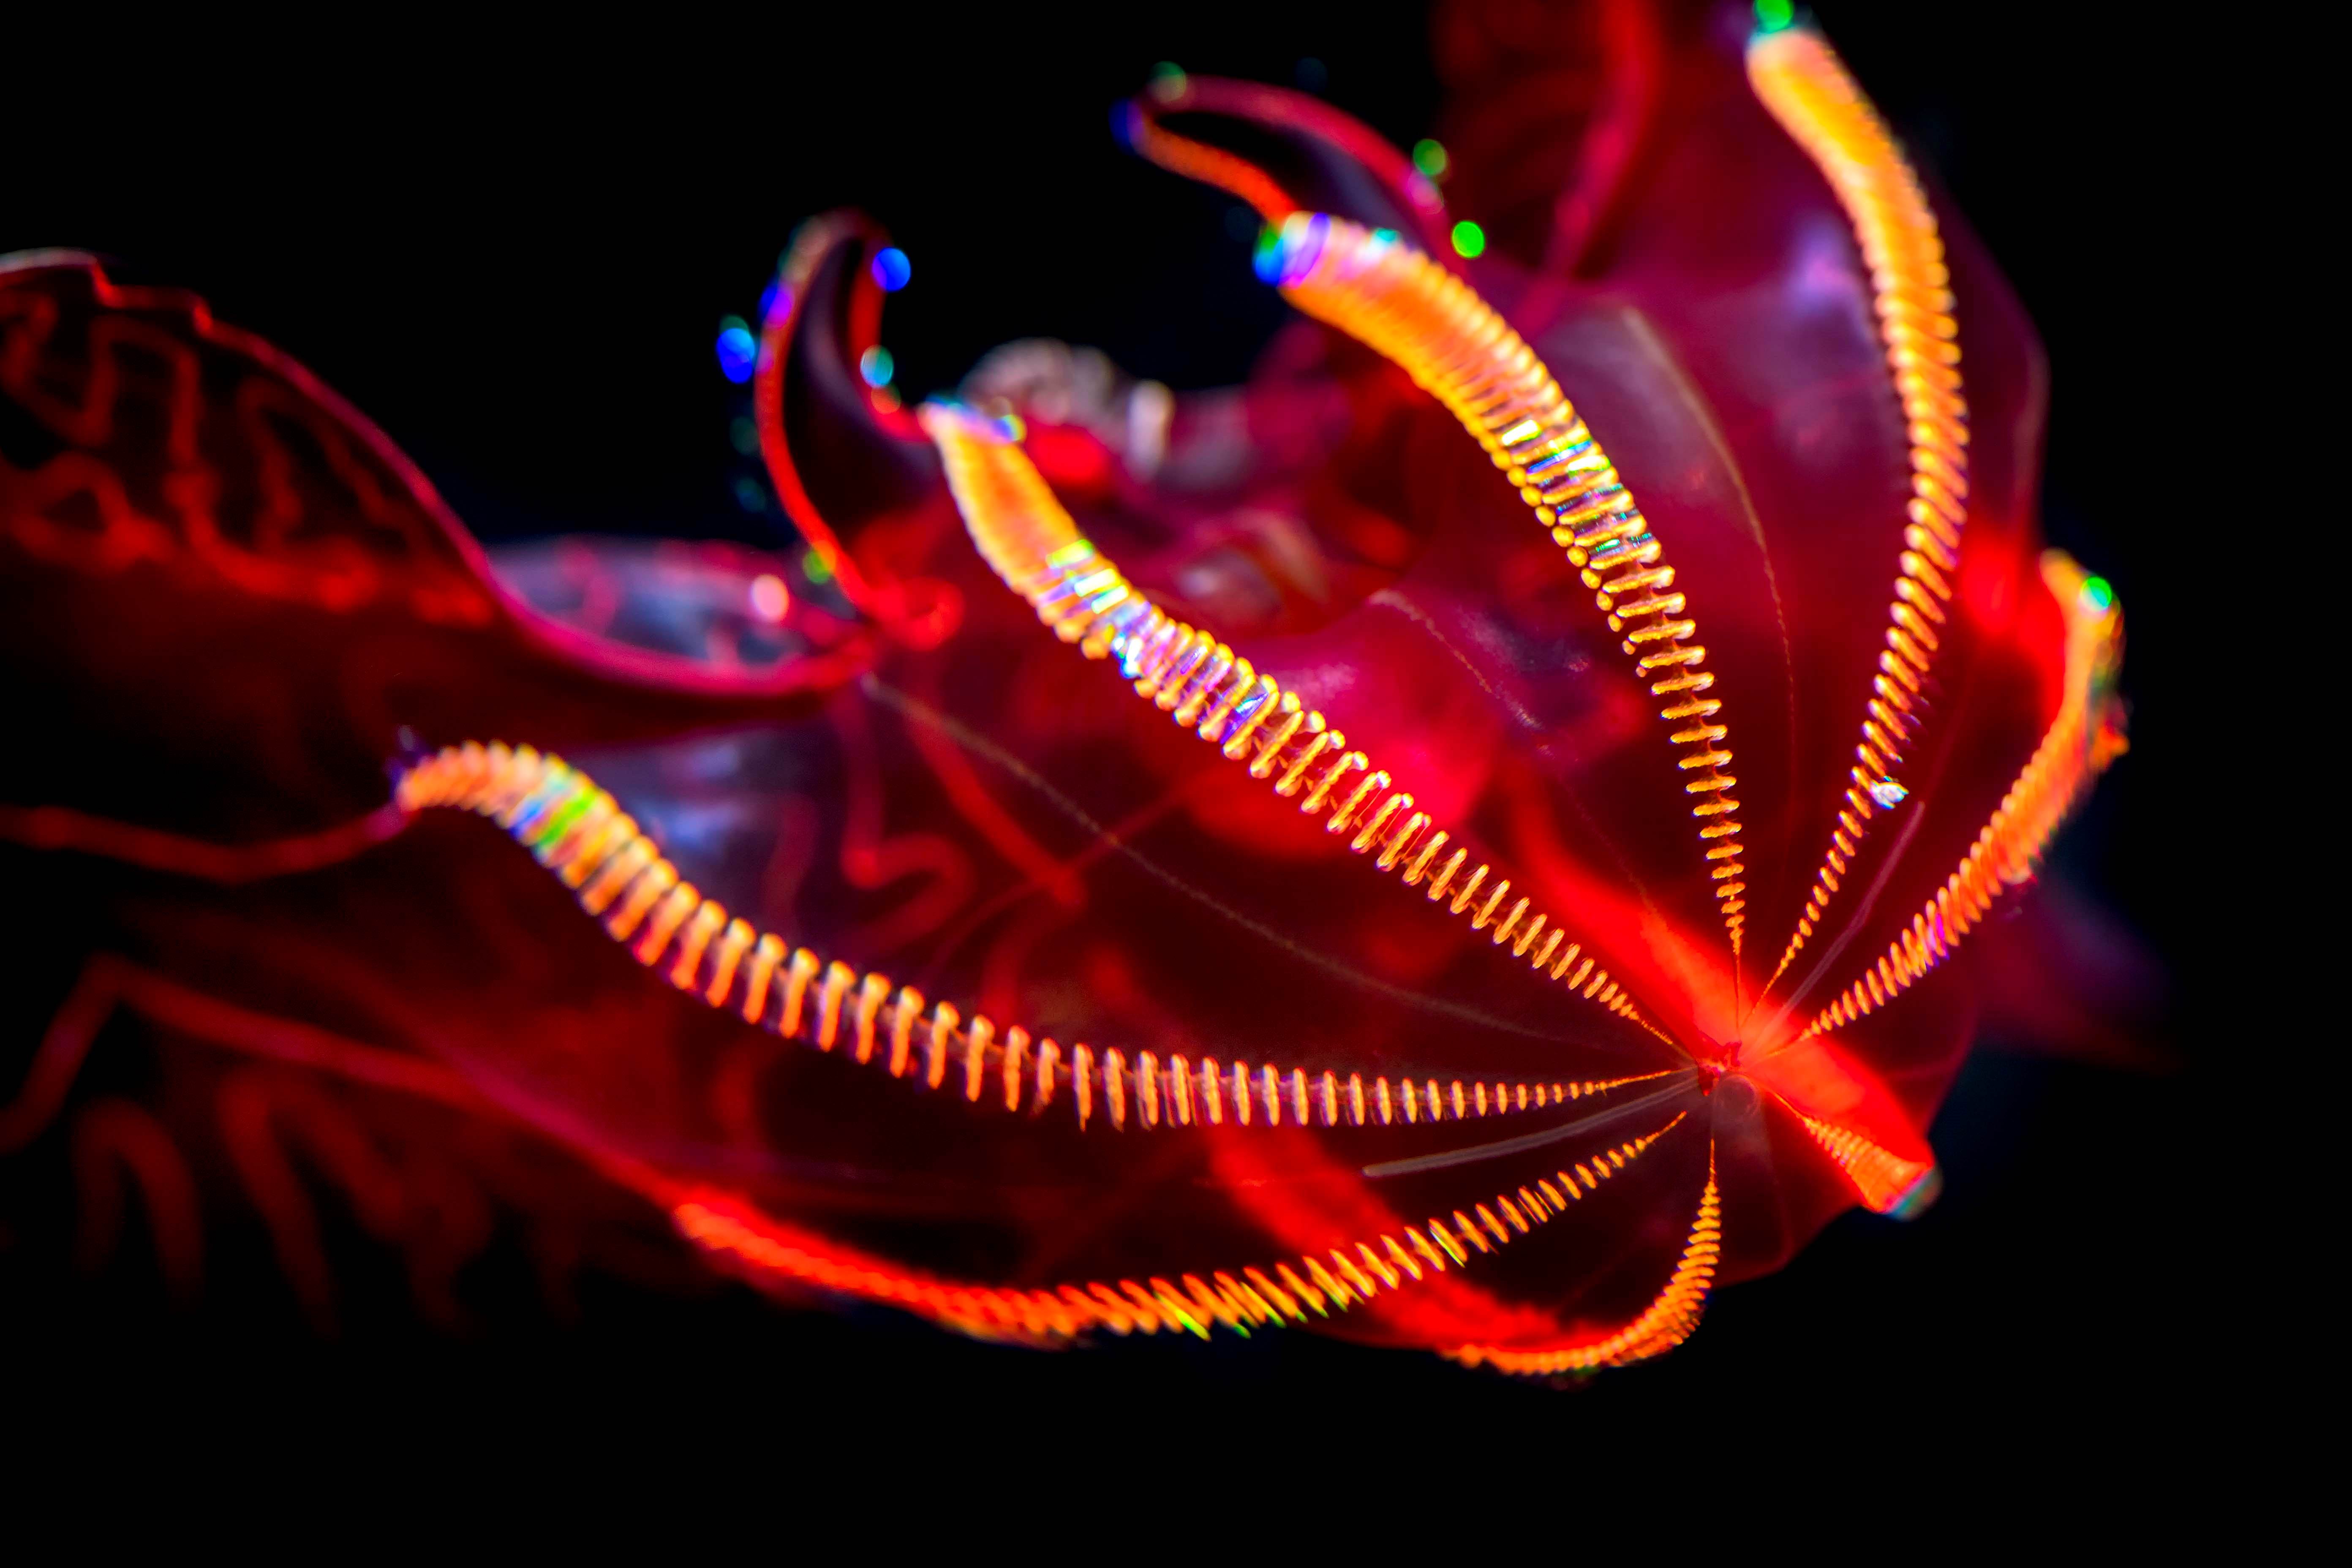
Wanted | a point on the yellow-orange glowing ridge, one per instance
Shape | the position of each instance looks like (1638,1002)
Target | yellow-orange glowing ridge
(1412,311)
(580,834)
(1800,81)
(2085,736)
(1035,546)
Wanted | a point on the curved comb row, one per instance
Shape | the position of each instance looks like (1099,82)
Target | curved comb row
(1416,313)
(582,836)
(1666,1323)
(1334,1282)
(1800,81)
(179,477)
(579,832)
(1034,544)
(1885,1181)
(2085,736)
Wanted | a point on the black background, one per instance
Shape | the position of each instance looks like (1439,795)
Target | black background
(512,251)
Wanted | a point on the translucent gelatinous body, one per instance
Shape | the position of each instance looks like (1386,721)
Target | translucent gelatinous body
(1385,847)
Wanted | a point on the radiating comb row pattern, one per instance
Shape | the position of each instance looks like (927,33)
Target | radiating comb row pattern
(1456,347)
(2084,737)
(579,832)
(1801,81)
(1034,544)
(1332,1281)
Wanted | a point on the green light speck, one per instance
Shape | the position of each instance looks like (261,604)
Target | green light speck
(1429,157)
(1772,16)
(2098,593)
(1469,240)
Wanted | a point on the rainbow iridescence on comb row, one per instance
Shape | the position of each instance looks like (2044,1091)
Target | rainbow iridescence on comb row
(1148,860)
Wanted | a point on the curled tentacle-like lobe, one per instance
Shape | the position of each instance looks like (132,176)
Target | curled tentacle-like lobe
(843,457)
(1297,856)
(1282,152)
